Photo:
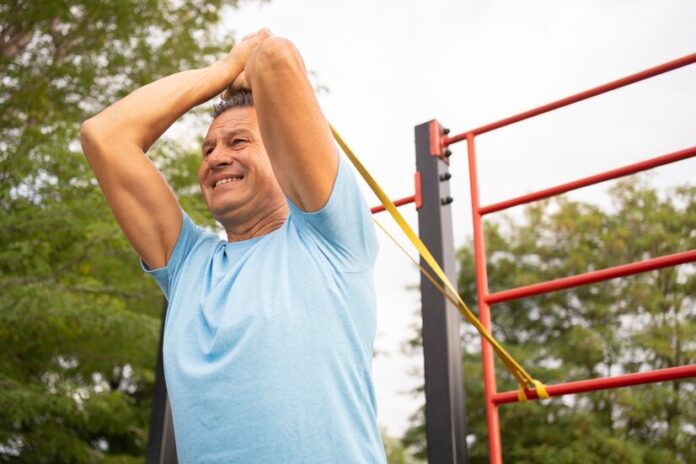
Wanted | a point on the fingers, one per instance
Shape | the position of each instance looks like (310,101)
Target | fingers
(257,37)
(240,53)
(242,50)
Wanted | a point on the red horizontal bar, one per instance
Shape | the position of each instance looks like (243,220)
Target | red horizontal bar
(604,383)
(593,276)
(417,198)
(608,175)
(633,78)
(399,202)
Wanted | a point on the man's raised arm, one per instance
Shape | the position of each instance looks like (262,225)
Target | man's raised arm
(115,142)
(294,131)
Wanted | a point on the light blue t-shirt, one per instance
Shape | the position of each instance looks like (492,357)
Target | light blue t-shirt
(268,341)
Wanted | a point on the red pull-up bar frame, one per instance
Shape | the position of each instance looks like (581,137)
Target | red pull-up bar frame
(439,144)
(416,198)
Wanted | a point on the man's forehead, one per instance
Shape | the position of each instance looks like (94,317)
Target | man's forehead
(237,121)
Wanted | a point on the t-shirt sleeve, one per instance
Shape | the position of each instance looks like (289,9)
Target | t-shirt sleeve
(343,229)
(188,237)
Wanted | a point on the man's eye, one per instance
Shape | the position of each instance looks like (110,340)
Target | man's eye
(237,142)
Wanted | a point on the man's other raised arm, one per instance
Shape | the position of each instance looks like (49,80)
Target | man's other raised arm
(294,131)
(115,142)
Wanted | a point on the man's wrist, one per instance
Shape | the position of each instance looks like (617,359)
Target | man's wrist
(212,81)
(227,68)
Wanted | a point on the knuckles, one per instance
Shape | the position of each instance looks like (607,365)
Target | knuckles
(277,50)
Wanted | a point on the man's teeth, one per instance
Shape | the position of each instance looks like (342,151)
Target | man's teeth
(228,179)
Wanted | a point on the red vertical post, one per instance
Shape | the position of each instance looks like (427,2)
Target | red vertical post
(494,442)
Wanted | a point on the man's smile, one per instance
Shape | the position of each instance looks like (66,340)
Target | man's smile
(228,180)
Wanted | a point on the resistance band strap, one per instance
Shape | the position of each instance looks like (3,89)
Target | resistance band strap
(521,394)
(448,291)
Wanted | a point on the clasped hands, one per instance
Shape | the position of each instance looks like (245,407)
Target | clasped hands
(240,53)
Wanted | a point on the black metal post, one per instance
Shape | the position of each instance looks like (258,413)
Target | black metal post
(444,390)
(161,448)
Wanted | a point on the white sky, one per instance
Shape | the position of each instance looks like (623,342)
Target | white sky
(391,65)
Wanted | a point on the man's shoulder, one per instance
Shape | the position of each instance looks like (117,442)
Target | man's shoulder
(194,243)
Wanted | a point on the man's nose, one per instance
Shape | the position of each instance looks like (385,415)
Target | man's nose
(220,157)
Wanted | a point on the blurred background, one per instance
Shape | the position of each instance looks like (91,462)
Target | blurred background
(79,320)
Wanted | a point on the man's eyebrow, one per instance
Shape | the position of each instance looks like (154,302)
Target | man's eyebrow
(228,134)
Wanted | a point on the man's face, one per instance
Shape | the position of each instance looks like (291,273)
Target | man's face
(236,176)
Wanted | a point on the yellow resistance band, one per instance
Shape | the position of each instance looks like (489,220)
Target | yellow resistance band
(448,291)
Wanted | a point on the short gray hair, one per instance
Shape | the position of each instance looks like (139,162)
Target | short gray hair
(239,99)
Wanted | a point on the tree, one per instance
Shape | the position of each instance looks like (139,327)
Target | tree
(79,321)
(394,449)
(625,325)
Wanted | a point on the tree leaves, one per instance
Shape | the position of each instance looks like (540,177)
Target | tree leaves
(625,325)
(79,320)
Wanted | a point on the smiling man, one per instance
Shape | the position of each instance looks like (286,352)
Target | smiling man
(269,333)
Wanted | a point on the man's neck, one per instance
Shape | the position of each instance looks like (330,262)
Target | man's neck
(258,226)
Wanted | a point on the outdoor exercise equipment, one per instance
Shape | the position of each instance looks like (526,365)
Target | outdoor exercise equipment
(442,429)
(441,304)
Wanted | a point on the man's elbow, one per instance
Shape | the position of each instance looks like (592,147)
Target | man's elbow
(91,137)
(86,128)
(87,136)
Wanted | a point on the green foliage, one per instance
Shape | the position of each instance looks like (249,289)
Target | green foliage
(395,451)
(79,321)
(625,325)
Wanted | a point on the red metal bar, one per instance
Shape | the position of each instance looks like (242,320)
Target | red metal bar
(419,191)
(417,198)
(593,276)
(492,398)
(492,419)
(437,133)
(633,78)
(619,381)
(613,174)
(399,202)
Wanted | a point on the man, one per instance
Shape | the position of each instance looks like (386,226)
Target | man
(268,335)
